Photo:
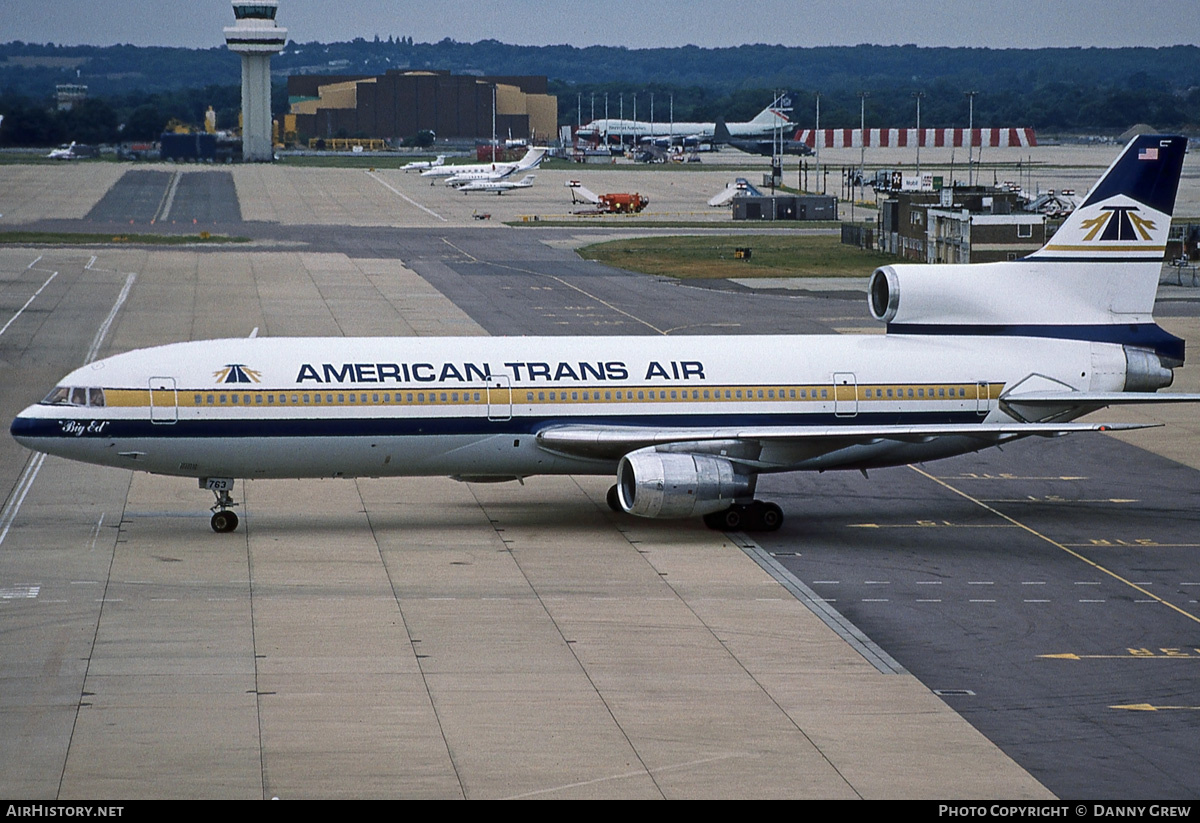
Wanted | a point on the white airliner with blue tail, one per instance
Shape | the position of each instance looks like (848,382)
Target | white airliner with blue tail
(768,121)
(974,356)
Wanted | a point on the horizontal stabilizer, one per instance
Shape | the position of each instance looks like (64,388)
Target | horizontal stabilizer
(1040,405)
(1098,399)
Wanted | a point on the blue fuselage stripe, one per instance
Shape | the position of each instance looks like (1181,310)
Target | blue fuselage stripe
(1143,335)
(30,427)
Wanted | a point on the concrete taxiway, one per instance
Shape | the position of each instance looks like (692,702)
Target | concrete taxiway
(424,638)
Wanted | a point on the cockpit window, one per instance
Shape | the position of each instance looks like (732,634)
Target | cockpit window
(60,396)
(74,396)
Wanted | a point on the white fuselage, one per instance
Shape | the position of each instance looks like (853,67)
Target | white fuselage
(334,407)
(488,171)
(480,169)
(762,126)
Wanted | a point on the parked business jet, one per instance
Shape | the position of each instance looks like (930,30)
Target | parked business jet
(498,186)
(974,356)
(424,165)
(476,171)
(72,151)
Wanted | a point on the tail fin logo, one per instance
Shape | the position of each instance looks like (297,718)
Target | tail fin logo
(237,373)
(1118,223)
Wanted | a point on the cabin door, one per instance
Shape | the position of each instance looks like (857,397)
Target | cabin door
(499,397)
(164,399)
(845,394)
(983,399)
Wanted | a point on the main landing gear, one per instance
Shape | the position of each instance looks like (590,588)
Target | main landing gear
(758,516)
(223,520)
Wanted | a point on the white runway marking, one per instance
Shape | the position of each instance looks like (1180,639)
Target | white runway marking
(35,465)
(102,332)
(164,206)
(18,496)
(13,319)
(403,196)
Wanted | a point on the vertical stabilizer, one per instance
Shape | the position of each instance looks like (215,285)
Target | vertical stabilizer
(1096,279)
(532,159)
(1126,216)
(721,131)
(777,114)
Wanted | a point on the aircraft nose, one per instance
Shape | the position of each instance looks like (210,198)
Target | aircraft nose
(26,427)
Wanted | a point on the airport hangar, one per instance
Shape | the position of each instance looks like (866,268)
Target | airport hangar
(424,638)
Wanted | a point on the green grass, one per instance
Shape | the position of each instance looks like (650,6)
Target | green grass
(39,238)
(636,221)
(29,159)
(375,161)
(713,257)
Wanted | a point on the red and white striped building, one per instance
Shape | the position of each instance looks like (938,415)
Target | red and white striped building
(929,138)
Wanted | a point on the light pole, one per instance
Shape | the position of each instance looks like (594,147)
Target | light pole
(971,137)
(817,136)
(862,140)
(918,95)
(862,130)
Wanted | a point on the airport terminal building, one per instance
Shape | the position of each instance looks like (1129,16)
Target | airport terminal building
(401,103)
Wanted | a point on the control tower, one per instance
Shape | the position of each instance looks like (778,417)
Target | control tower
(256,37)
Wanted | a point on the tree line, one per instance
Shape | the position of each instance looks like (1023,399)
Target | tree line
(126,118)
(1056,108)
(134,91)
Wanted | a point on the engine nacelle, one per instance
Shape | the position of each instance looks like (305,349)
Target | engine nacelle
(667,484)
(1007,293)
(949,293)
(1145,371)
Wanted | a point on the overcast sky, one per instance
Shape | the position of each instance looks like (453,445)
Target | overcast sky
(644,23)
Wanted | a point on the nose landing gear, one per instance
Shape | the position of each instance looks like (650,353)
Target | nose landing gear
(223,520)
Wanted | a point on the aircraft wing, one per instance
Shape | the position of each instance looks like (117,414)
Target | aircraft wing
(612,442)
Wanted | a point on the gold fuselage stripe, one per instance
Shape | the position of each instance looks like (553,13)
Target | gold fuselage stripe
(534,396)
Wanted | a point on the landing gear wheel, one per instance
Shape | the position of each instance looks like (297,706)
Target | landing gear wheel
(224,521)
(733,518)
(754,517)
(770,516)
(611,498)
(730,520)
